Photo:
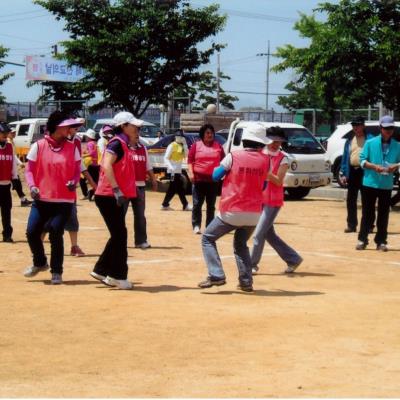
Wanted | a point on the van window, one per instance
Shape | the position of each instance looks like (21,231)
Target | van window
(23,130)
(301,141)
(42,129)
(237,139)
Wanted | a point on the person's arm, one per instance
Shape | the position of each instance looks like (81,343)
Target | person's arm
(14,171)
(167,158)
(218,173)
(153,180)
(89,178)
(109,160)
(280,176)
(364,160)
(190,161)
(344,163)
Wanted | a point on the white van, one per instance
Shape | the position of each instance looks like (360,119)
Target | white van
(148,132)
(28,131)
(309,166)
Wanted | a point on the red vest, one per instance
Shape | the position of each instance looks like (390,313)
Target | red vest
(242,187)
(139,157)
(273,194)
(206,159)
(54,169)
(6,162)
(124,171)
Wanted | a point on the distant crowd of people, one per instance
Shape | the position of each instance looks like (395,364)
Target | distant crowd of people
(117,166)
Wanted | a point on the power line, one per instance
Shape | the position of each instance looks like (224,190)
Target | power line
(21,13)
(258,93)
(23,19)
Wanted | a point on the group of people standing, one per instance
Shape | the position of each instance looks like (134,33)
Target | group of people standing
(368,165)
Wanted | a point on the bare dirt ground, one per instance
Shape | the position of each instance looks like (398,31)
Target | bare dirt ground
(331,330)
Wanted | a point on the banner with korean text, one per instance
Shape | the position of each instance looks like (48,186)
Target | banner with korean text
(49,69)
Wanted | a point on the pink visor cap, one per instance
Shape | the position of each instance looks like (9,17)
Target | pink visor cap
(71,122)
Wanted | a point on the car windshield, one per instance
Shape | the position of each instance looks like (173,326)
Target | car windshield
(301,141)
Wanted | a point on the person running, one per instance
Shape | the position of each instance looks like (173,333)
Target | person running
(204,156)
(176,152)
(240,207)
(52,174)
(16,183)
(8,172)
(272,202)
(116,186)
(143,168)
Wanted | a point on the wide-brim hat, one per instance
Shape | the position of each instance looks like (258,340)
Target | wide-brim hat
(71,122)
(256,133)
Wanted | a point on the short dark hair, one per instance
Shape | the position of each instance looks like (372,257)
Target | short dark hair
(55,118)
(203,129)
(251,144)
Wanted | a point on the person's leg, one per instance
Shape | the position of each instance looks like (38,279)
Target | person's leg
(242,255)
(170,192)
(353,188)
(368,200)
(61,213)
(72,227)
(211,191)
(383,216)
(265,222)
(6,205)
(216,229)
(84,187)
(198,200)
(181,190)
(140,223)
(17,186)
(73,236)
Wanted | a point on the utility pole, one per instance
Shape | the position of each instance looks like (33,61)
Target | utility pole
(55,50)
(218,81)
(268,54)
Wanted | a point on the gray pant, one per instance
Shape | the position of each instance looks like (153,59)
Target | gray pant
(265,232)
(216,229)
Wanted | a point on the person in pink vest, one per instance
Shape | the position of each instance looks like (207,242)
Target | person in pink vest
(52,174)
(8,172)
(273,201)
(240,207)
(143,168)
(92,152)
(203,157)
(116,186)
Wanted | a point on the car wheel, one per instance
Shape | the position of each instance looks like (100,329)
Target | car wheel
(297,193)
(336,170)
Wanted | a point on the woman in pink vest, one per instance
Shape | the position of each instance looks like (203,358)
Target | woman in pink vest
(117,185)
(142,169)
(239,208)
(8,172)
(52,174)
(273,201)
(204,156)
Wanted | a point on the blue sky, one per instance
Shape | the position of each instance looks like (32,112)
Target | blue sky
(27,29)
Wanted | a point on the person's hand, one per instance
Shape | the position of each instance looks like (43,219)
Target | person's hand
(379,169)
(191,176)
(71,185)
(119,196)
(393,168)
(35,193)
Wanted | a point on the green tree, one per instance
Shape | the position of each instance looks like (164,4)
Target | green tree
(352,56)
(3,78)
(136,52)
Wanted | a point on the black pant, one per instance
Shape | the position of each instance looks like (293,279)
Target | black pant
(204,191)
(113,260)
(83,185)
(17,186)
(369,197)
(6,205)
(175,187)
(353,187)
(94,171)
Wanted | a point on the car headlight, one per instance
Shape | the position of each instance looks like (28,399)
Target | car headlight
(293,165)
(327,165)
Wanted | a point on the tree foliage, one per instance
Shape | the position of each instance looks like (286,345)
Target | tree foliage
(352,58)
(135,52)
(3,78)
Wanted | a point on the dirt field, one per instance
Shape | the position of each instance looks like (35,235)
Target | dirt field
(331,330)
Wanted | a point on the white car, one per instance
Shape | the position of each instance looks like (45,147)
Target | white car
(335,143)
(309,166)
(148,132)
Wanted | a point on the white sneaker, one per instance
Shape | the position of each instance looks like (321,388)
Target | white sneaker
(123,284)
(291,268)
(32,271)
(97,276)
(197,230)
(167,208)
(189,207)
(143,245)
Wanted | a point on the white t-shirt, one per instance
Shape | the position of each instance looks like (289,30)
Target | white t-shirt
(33,152)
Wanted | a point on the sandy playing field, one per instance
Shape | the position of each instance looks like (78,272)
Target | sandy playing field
(330,330)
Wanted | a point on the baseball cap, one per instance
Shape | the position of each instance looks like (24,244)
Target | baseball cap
(125,117)
(4,127)
(71,122)
(358,120)
(256,133)
(386,121)
(90,133)
(276,134)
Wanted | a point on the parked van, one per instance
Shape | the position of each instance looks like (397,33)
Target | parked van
(309,166)
(28,131)
(148,132)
